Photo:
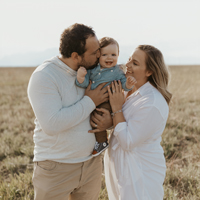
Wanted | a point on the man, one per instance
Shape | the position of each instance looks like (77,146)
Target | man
(63,165)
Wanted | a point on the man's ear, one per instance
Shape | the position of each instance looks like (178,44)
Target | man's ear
(75,56)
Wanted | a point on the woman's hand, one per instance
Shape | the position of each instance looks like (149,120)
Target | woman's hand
(116,97)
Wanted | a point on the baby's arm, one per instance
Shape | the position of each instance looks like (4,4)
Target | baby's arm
(81,74)
(83,77)
(130,82)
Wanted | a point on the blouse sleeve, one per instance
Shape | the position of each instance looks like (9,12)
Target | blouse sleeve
(139,128)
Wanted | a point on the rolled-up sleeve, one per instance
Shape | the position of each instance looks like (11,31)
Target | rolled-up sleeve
(139,128)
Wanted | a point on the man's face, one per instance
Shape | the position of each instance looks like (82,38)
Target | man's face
(91,57)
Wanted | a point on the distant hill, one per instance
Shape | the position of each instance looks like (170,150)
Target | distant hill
(28,59)
(34,59)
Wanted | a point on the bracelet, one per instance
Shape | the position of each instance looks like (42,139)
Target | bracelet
(113,114)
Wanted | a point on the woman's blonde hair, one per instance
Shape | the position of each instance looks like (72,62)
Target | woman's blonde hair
(160,73)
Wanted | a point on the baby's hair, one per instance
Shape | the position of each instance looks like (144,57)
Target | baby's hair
(105,41)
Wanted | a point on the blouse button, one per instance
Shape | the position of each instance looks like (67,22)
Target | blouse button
(93,81)
(111,70)
(99,73)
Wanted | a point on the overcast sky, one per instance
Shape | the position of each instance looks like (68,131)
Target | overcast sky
(173,26)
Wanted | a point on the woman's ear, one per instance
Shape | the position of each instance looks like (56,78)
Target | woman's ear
(149,73)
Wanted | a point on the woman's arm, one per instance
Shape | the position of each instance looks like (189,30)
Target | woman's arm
(139,128)
(116,98)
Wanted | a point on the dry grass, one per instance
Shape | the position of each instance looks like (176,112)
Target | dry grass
(181,138)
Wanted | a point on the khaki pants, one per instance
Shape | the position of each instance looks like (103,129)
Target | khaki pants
(63,181)
(102,136)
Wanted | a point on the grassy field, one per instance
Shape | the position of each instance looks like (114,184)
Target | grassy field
(181,138)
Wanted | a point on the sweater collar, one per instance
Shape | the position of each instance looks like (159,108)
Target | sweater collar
(66,67)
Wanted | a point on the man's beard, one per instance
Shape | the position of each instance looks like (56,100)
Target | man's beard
(84,64)
(95,64)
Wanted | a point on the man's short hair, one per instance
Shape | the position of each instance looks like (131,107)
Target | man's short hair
(73,39)
(105,41)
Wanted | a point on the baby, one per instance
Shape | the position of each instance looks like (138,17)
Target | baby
(106,71)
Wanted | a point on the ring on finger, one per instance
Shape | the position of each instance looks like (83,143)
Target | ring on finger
(95,125)
(113,91)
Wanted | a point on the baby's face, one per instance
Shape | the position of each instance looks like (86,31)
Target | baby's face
(109,56)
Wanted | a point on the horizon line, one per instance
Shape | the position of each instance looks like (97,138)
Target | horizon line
(119,64)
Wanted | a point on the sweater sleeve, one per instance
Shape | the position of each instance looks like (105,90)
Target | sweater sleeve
(139,128)
(46,102)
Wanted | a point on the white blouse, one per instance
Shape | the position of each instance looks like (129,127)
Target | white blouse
(134,163)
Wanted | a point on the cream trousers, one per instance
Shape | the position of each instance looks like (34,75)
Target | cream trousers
(63,181)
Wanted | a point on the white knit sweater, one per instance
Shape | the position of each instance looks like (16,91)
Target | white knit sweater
(62,114)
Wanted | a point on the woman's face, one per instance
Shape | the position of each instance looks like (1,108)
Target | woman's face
(136,67)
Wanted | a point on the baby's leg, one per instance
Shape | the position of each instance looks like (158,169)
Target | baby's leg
(101,137)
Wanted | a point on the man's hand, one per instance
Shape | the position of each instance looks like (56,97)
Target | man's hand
(81,74)
(100,122)
(98,95)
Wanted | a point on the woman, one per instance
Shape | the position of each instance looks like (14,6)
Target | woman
(134,163)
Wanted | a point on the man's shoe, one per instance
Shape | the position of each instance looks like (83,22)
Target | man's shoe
(99,148)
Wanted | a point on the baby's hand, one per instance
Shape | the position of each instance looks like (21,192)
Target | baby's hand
(130,82)
(81,72)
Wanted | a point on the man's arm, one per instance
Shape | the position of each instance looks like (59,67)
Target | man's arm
(47,105)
